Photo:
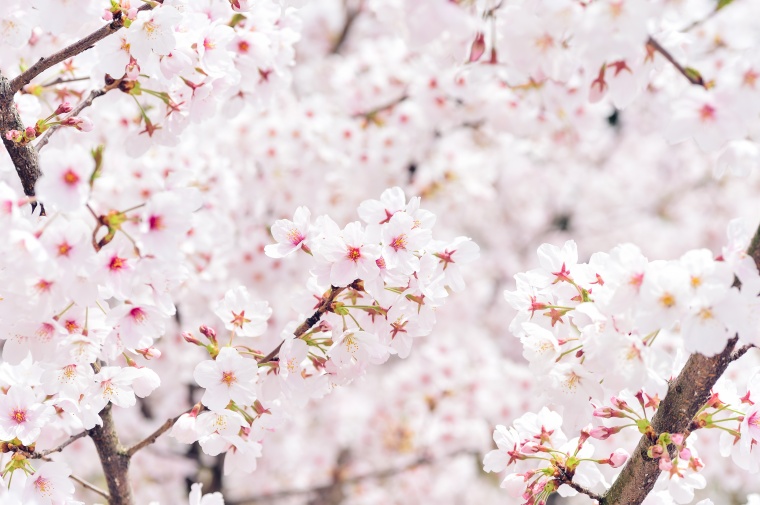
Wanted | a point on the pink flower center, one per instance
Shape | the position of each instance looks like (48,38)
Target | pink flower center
(399,242)
(18,415)
(70,177)
(707,113)
(238,320)
(295,237)
(63,249)
(156,223)
(43,485)
(116,263)
(354,253)
(137,314)
(228,378)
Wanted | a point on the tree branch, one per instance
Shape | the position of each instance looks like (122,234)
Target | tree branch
(153,436)
(323,307)
(378,474)
(77,47)
(45,138)
(113,459)
(72,439)
(24,157)
(741,351)
(89,486)
(687,393)
(690,74)
(351,15)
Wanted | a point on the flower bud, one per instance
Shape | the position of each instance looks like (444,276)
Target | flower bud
(618,458)
(149,352)
(190,338)
(30,132)
(208,332)
(64,108)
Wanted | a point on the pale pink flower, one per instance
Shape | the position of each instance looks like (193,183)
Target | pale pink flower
(230,377)
(22,416)
(240,314)
(290,235)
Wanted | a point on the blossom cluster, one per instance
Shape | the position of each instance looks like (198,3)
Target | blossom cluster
(577,321)
(378,285)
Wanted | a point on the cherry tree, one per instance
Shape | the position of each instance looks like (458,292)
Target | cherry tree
(219,215)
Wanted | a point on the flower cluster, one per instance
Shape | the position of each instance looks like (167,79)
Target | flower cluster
(377,286)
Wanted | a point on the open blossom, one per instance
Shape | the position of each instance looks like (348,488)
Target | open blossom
(240,314)
(198,498)
(65,180)
(153,31)
(229,377)
(290,235)
(22,416)
(49,485)
(353,256)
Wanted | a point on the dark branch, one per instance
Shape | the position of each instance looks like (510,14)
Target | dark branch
(323,307)
(24,157)
(379,475)
(690,74)
(77,47)
(113,459)
(72,439)
(153,436)
(687,393)
(351,15)
(741,351)
(45,138)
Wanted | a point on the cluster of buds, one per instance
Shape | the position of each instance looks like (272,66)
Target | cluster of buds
(122,11)
(30,133)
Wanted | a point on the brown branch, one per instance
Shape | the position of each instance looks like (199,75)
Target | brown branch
(24,157)
(150,439)
(691,75)
(741,351)
(378,474)
(63,80)
(89,486)
(687,393)
(113,459)
(74,49)
(585,491)
(45,138)
(351,15)
(72,439)
(324,306)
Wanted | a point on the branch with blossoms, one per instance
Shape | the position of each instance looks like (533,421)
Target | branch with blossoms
(120,19)
(615,308)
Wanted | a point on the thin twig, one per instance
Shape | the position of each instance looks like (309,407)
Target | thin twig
(692,76)
(585,491)
(45,138)
(324,306)
(351,15)
(89,486)
(74,49)
(72,439)
(153,436)
(378,474)
(63,80)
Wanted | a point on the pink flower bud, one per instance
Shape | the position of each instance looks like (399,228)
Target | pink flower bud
(208,332)
(132,13)
(64,108)
(13,135)
(677,438)
(600,433)
(685,454)
(190,338)
(107,15)
(30,132)
(478,47)
(81,123)
(149,352)
(618,458)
